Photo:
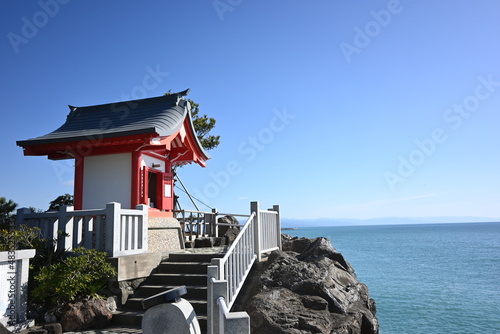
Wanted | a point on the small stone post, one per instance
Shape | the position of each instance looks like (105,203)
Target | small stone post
(66,225)
(113,228)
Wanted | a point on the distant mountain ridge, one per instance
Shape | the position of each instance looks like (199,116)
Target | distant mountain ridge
(288,222)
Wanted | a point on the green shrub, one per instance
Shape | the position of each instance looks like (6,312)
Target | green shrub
(23,238)
(75,277)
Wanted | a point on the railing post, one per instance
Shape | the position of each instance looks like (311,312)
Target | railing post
(213,224)
(65,225)
(254,207)
(237,323)
(20,216)
(278,224)
(212,272)
(191,226)
(220,268)
(143,239)
(113,224)
(217,287)
(220,290)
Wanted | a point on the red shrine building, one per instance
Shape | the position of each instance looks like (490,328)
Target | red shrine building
(124,152)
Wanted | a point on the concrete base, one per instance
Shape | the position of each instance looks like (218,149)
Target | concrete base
(164,234)
(135,266)
(171,318)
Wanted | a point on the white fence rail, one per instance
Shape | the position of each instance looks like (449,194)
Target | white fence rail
(226,276)
(114,230)
(270,232)
(198,224)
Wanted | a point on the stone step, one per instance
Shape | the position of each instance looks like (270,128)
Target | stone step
(183,267)
(128,318)
(193,257)
(193,291)
(202,320)
(199,305)
(133,320)
(116,329)
(177,279)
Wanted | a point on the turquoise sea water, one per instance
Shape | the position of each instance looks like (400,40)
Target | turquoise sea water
(426,279)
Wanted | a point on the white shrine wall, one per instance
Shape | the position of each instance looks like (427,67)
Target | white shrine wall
(107,178)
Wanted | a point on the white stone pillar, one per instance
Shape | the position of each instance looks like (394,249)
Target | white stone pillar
(14,270)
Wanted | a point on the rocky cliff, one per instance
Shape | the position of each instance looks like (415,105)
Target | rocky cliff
(308,287)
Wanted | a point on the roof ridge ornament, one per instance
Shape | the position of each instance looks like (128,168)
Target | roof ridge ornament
(72,111)
(184,92)
(180,98)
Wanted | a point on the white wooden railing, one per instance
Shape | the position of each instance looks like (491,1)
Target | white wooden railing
(196,224)
(226,276)
(114,230)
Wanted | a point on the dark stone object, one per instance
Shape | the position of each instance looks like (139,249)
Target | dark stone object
(204,242)
(164,297)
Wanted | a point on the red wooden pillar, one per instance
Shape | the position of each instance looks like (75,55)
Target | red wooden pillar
(78,187)
(136,180)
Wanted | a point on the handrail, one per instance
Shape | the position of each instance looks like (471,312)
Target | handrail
(238,237)
(238,260)
(216,212)
(198,224)
(226,276)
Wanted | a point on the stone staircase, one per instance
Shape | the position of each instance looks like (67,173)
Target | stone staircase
(186,268)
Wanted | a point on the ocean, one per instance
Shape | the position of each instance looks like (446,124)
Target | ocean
(425,279)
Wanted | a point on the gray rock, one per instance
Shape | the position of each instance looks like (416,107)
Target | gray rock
(49,317)
(222,229)
(294,244)
(125,289)
(204,242)
(269,314)
(230,236)
(79,316)
(54,328)
(310,288)
(37,331)
(111,303)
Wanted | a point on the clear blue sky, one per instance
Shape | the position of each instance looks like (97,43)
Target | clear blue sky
(334,109)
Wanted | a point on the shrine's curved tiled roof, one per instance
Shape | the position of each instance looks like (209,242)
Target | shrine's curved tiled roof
(163,115)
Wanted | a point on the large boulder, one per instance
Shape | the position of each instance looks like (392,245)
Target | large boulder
(93,313)
(222,229)
(310,288)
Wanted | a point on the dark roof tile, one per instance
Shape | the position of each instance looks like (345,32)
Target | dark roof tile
(162,115)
